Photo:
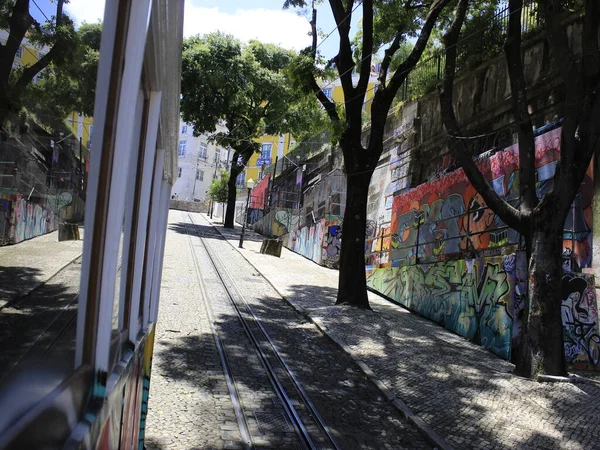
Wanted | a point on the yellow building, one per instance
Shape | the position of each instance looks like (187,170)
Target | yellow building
(82,127)
(334,91)
(272,147)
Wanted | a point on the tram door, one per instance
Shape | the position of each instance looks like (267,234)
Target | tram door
(101,400)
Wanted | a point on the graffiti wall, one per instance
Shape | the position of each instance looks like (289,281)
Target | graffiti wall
(438,250)
(25,220)
(447,216)
(258,200)
(472,298)
(320,242)
(580,322)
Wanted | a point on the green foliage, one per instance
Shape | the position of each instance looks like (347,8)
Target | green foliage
(245,85)
(68,86)
(218,188)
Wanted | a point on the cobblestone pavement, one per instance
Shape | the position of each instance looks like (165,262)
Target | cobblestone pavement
(463,392)
(39,282)
(189,405)
(26,265)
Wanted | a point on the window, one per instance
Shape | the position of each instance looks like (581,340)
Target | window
(90,132)
(217,157)
(182,145)
(328,92)
(19,53)
(265,152)
(199,175)
(184,129)
(179,172)
(202,152)
(240,181)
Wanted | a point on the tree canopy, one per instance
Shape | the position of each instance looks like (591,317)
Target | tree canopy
(247,88)
(218,188)
(71,86)
(57,34)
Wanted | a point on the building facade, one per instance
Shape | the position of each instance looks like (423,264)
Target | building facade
(199,162)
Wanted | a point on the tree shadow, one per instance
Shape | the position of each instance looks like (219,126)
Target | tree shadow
(41,324)
(466,393)
(15,280)
(210,232)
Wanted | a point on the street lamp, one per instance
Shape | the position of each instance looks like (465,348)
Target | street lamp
(249,185)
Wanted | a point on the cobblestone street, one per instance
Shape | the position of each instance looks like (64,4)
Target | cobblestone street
(450,389)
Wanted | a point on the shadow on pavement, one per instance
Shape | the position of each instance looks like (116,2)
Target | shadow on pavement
(41,324)
(209,232)
(15,280)
(464,392)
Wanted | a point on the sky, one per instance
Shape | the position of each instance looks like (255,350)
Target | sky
(257,19)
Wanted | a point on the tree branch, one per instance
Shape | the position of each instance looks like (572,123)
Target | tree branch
(565,63)
(413,58)
(512,48)
(367,49)
(387,59)
(30,72)
(344,60)
(510,215)
(18,23)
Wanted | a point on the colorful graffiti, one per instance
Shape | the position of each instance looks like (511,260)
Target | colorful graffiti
(472,298)
(580,322)
(26,219)
(320,242)
(448,216)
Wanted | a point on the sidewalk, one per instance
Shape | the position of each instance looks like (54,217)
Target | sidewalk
(27,265)
(456,390)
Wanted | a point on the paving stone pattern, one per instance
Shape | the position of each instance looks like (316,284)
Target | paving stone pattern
(28,264)
(350,404)
(463,392)
(189,404)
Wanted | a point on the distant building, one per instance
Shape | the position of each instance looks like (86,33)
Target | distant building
(199,162)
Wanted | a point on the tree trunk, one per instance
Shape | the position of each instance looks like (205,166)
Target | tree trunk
(352,288)
(231,197)
(542,349)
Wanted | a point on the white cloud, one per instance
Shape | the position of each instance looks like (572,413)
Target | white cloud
(86,10)
(270,26)
(274,26)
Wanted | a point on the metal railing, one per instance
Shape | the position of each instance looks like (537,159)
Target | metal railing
(472,49)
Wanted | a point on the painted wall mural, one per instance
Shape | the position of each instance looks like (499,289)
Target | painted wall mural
(580,322)
(469,297)
(26,220)
(447,216)
(438,250)
(320,242)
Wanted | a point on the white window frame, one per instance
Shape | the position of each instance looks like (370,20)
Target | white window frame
(328,93)
(202,153)
(182,147)
(267,146)
(199,175)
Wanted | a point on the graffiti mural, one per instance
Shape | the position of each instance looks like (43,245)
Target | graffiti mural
(447,216)
(28,220)
(580,322)
(472,298)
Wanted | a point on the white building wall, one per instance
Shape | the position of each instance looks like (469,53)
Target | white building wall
(195,160)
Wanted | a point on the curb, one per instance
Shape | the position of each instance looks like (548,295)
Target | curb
(430,435)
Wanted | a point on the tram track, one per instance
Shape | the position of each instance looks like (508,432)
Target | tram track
(310,429)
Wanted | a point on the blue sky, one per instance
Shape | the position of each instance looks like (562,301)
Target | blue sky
(260,19)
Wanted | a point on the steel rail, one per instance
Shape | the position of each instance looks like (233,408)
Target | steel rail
(229,378)
(284,397)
